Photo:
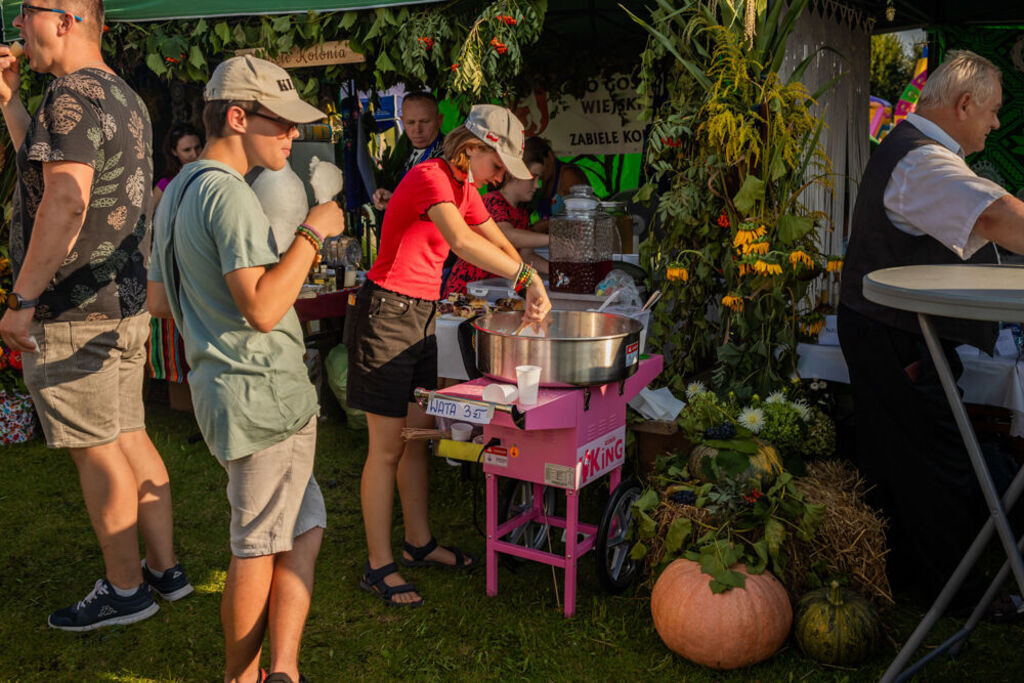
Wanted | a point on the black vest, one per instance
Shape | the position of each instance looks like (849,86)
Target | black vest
(876,243)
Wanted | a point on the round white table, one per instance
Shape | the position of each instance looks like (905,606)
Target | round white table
(972,292)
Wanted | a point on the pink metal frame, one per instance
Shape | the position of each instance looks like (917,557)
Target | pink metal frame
(564,435)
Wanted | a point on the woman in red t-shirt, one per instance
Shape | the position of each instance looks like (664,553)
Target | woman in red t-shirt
(506,208)
(389,329)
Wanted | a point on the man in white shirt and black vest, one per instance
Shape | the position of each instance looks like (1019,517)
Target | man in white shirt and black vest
(920,203)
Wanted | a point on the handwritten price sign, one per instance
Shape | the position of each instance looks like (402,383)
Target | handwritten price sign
(441,406)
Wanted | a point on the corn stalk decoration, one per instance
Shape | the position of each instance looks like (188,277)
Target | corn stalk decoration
(732,147)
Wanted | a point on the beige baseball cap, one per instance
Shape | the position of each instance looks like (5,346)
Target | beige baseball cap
(499,128)
(252,79)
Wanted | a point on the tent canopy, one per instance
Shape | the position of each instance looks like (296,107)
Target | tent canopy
(152,10)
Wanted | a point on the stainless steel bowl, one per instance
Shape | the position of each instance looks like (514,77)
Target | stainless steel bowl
(580,348)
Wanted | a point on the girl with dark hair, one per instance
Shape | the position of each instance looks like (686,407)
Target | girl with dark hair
(182,144)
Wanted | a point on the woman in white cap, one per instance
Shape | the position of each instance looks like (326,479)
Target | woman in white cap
(389,329)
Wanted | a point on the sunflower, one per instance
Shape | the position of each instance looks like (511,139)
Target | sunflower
(677,274)
(799,257)
(767,268)
(733,302)
(761,248)
(748,233)
(834,264)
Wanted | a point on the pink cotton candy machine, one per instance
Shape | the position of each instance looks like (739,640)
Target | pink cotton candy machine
(570,438)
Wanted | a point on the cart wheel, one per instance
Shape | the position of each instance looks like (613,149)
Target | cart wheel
(615,569)
(518,498)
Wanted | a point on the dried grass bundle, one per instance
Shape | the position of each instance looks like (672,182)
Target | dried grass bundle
(419,433)
(666,513)
(851,538)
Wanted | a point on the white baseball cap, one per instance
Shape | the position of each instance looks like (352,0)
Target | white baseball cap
(251,79)
(499,129)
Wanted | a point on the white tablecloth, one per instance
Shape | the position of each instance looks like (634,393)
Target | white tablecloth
(986,380)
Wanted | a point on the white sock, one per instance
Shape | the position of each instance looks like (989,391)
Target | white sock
(122,592)
(155,573)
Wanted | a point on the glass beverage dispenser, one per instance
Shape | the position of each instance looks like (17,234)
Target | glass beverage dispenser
(583,240)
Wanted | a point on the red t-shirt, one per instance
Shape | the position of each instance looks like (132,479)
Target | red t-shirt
(464,272)
(412,250)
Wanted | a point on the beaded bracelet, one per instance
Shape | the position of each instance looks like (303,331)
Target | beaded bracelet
(316,244)
(316,233)
(524,278)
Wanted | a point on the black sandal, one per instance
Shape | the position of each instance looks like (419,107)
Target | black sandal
(373,582)
(419,556)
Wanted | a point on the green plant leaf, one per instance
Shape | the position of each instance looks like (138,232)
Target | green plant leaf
(647,526)
(792,228)
(196,58)
(751,192)
(774,535)
(222,31)
(156,64)
(678,533)
(647,501)
(638,552)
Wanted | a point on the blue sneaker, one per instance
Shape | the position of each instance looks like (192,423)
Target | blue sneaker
(104,607)
(173,585)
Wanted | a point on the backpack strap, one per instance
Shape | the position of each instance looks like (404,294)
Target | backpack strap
(175,273)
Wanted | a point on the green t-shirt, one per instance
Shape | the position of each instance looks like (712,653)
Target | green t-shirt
(250,389)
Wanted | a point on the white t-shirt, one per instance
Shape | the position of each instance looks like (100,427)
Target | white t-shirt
(934,192)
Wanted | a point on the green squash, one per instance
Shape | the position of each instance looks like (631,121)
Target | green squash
(837,626)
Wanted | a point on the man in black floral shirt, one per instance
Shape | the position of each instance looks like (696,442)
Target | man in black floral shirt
(79,246)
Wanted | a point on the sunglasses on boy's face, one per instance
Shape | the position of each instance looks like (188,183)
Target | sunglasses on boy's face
(35,8)
(285,123)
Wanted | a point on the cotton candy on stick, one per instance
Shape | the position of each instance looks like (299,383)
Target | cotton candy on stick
(326,180)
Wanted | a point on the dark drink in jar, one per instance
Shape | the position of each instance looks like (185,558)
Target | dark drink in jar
(577,278)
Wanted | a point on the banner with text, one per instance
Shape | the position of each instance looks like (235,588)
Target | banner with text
(604,121)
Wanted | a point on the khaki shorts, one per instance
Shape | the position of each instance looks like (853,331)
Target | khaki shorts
(273,495)
(86,379)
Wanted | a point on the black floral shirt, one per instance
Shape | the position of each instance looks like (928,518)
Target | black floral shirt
(91,117)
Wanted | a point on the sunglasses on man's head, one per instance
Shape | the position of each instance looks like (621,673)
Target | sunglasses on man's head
(36,8)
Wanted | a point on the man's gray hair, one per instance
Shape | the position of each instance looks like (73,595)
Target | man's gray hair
(962,72)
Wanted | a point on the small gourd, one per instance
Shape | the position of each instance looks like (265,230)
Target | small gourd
(837,626)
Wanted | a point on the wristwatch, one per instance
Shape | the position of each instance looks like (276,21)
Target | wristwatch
(17,302)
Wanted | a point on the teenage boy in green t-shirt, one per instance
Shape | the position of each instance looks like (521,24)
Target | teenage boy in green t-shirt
(215,269)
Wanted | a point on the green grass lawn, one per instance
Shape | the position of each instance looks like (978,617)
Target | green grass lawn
(49,559)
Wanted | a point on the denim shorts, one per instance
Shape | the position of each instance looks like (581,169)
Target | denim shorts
(86,379)
(392,349)
(273,495)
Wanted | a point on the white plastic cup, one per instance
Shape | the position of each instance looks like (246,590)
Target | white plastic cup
(528,380)
(461,431)
(501,393)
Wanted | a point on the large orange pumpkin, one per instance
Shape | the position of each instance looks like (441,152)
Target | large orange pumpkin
(739,627)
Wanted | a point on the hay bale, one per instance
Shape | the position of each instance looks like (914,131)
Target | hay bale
(664,515)
(851,538)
